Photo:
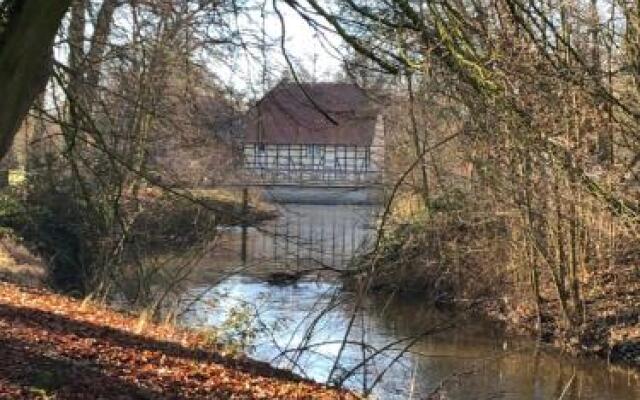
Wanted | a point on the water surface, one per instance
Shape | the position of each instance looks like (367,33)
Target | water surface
(303,325)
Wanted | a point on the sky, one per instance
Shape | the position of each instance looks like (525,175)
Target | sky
(302,45)
(242,72)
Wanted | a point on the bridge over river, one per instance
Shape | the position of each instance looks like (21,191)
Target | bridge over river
(312,186)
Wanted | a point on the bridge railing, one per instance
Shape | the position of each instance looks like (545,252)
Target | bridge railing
(312,177)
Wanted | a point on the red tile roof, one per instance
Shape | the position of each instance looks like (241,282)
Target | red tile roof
(285,115)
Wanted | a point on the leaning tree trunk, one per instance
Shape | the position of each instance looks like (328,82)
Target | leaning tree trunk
(25,58)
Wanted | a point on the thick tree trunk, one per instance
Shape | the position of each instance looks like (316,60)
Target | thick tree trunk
(101,32)
(77,24)
(25,59)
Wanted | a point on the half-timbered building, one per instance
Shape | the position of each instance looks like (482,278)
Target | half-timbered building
(315,133)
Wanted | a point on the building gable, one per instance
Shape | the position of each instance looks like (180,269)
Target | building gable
(286,115)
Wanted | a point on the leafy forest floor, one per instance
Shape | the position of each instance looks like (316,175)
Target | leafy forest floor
(53,346)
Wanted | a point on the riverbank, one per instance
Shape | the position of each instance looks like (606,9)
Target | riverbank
(191,216)
(231,207)
(55,346)
(609,329)
(470,259)
(79,241)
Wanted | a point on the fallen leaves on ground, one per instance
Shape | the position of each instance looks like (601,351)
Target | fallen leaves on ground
(52,346)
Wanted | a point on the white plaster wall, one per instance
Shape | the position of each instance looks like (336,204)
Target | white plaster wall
(377,145)
(319,162)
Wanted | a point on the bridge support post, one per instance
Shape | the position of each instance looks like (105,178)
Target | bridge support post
(245,209)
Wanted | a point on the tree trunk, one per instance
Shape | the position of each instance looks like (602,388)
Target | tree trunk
(96,51)
(25,61)
(424,190)
(76,33)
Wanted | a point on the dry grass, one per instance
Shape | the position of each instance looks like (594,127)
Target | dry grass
(463,256)
(444,257)
(19,265)
(233,197)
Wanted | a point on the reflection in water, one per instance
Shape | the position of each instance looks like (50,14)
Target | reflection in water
(303,326)
(305,235)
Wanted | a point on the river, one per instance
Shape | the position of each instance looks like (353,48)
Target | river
(303,324)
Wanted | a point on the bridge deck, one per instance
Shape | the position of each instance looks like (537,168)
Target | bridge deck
(328,185)
(311,179)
